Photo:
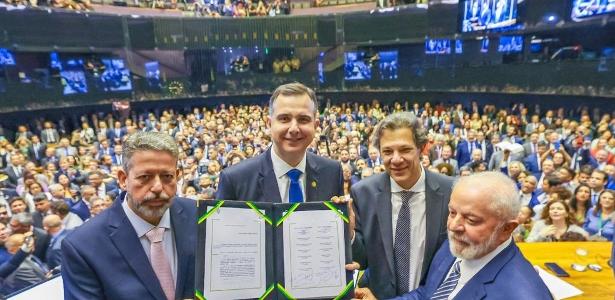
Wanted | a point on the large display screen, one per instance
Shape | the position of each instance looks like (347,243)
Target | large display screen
(588,8)
(73,78)
(116,76)
(355,67)
(488,14)
(388,64)
(510,44)
(6,57)
(152,74)
(437,46)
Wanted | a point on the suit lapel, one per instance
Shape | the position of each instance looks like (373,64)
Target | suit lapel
(311,180)
(385,220)
(433,216)
(475,288)
(124,237)
(180,220)
(267,182)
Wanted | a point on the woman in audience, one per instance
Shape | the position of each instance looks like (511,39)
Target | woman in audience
(526,222)
(556,220)
(599,220)
(514,169)
(580,204)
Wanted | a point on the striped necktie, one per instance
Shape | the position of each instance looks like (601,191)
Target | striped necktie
(448,285)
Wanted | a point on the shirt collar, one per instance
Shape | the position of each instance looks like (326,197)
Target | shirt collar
(418,187)
(280,167)
(141,226)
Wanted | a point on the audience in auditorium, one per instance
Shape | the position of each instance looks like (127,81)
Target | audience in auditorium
(48,173)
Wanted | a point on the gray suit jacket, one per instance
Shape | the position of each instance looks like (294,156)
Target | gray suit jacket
(254,180)
(373,243)
(496,160)
(451,161)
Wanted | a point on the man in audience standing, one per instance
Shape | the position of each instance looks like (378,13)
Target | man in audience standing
(55,228)
(286,172)
(400,214)
(480,260)
(144,245)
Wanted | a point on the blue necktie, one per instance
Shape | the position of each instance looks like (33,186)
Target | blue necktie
(449,284)
(295,195)
(401,246)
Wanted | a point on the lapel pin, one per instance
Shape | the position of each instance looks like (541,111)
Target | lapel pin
(314,184)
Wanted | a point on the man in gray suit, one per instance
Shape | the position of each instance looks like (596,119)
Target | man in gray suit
(286,172)
(400,216)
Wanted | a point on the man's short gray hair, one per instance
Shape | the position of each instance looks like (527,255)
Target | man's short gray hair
(147,141)
(499,191)
(23,218)
(293,89)
(401,120)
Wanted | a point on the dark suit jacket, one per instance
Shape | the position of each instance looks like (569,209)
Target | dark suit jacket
(41,152)
(254,180)
(373,243)
(115,265)
(41,243)
(54,253)
(507,276)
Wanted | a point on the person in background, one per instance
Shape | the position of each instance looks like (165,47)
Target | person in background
(599,220)
(556,220)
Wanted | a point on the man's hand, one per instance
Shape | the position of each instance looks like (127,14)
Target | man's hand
(363,294)
(353,266)
(351,215)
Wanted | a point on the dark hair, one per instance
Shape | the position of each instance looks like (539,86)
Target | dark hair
(60,207)
(39,197)
(598,208)
(574,204)
(572,236)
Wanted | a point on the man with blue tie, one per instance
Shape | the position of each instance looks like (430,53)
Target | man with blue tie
(286,172)
(465,148)
(480,259)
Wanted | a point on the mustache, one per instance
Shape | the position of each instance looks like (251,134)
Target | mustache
(459,237)
(151,197)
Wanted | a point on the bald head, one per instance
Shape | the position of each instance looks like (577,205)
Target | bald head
(14,242)
(52,223)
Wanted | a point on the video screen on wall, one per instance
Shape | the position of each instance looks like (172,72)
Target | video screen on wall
(488,14)
(588,8)
(355,66)
(437,46)
(388,64)
(511,44)
(73,78)
(116,76)
(152,73)
(6,57)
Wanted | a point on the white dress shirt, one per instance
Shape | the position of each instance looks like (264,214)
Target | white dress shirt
(168,240)
(418,224)
(470,267)
(280,168)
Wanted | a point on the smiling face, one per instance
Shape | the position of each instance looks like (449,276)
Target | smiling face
(293,125)
(150,183)
(474,229)
(401,156)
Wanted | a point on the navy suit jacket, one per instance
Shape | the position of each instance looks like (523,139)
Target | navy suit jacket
(255,180)
(103,258)
(532,164)
(507,276)
(54,253)
(463,153)
(372,247)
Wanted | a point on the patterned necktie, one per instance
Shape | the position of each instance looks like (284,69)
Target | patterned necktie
(295,195)
(160,263)
(401,245)
(449,284)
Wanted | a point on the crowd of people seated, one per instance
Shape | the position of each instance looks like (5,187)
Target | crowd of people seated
(240,9)
(85,5)
(56,175)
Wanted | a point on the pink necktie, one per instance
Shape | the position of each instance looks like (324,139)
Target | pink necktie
(159,261)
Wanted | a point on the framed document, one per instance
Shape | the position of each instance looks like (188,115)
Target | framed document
(272,251)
